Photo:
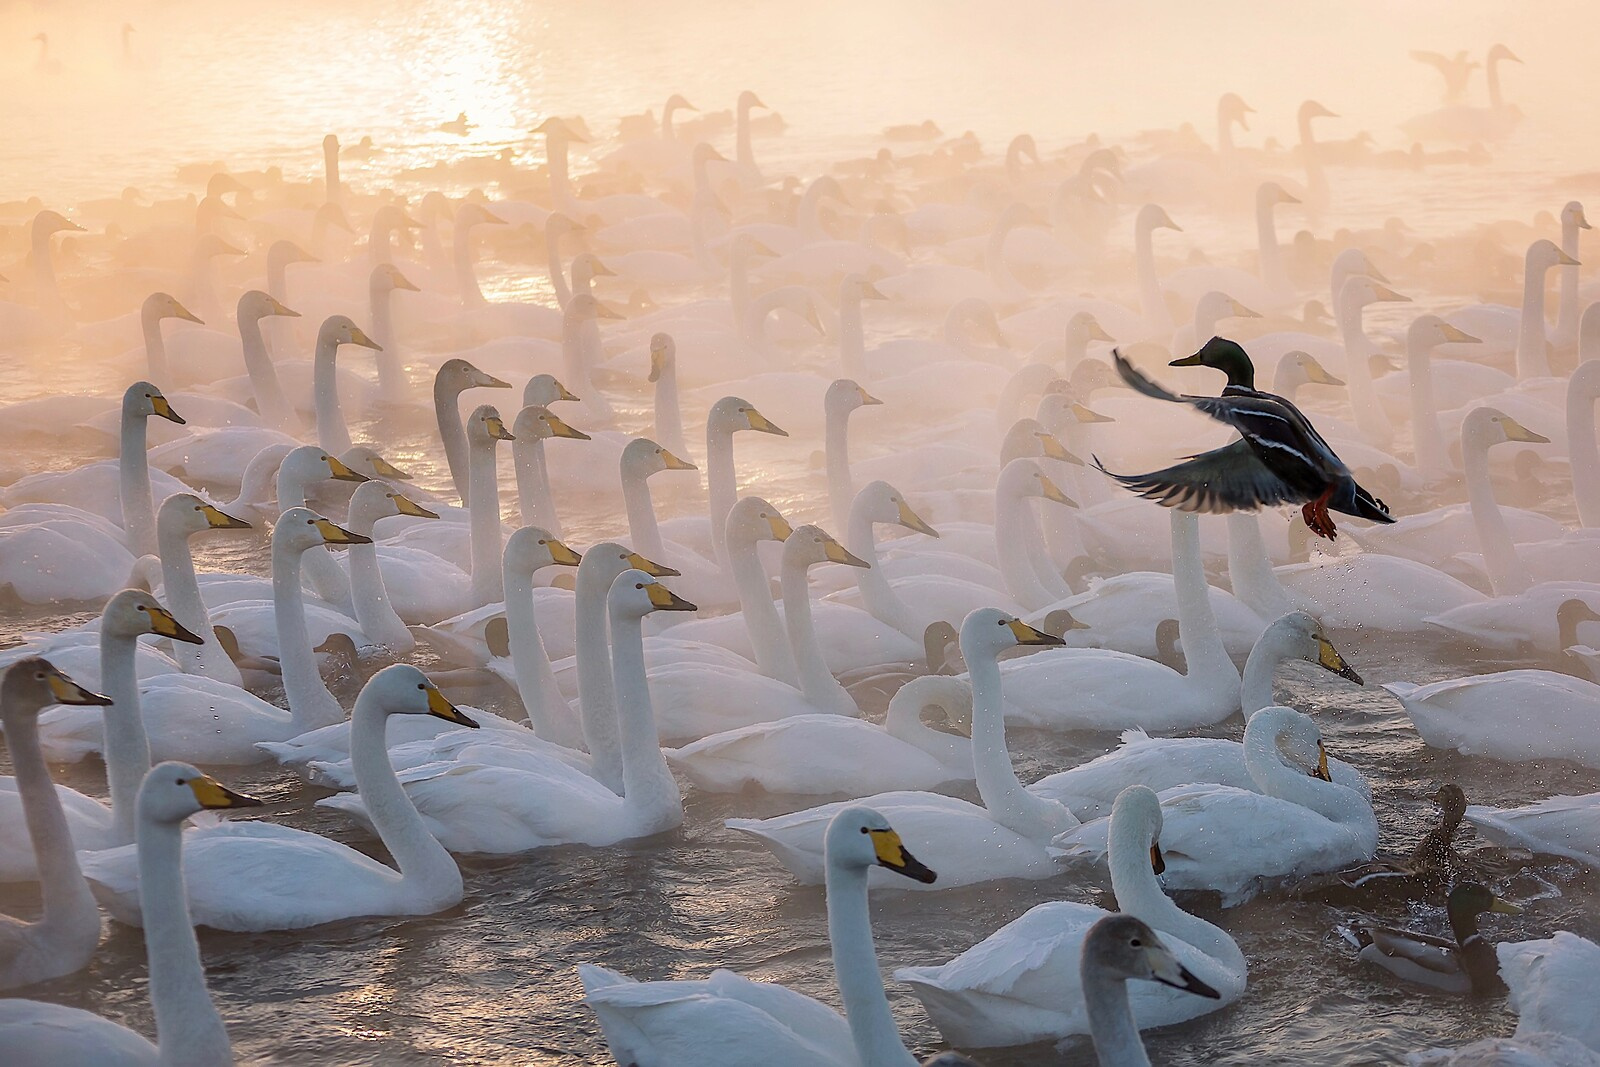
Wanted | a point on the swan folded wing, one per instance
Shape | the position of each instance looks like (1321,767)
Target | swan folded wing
(1230,478)
(1551,985)
(1562,825)
(1044,939)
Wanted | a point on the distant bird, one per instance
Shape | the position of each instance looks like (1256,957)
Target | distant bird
(1279,459)
(458,125)
(1456,71)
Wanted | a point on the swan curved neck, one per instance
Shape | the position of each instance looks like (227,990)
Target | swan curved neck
(855,968)
(391,374)
(1208,658)
(1260,670)
(68,905)
(1111,1026)
(597,700)
(270,400)
(1531,359)
(1271,256)
(643,530)
(536,683)
(332,433)
(668,415)
(466,274)
(535,502)
(133,472)
(1139,894)
(1152,305)
(722,489)
(836,454)
(375,613)
(1370,416)
(310,704)
(188,1027)
(447,411)
(1007,802)
(419,857)
(1250,569)
(877,595)
(1015,529)
(816,681)
(1507,573)
(1427,439)
(1567,303)
(768,638)
(126,747)
(558,278)
(182,592)
(484,520)
(1276,779)
(155,347)
(649,792)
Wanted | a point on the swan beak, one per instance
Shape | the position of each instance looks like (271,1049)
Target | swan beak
(814,319)
(837,553)
(1385,293)
(492,219)
(658,366)
(339,472)
(562,554)
(674,463)
(561,429)
(664,599)
(871,292)
(225,249)
(481,380)
(892,853)
(1505,907)
(1242,312)
(1458,336)
(603,271)
(1515,431)
(216,519)
(1158,863)
(1087,415)
(650,567)
(1317,374)
(404,505)
(1098,333)
(1329,659)
(1165,968)
(1583,222)
(338,535)
(400,281)
(497,429)
(780,527)
(563,393)
(1051,492)
(358,336)
(912,521)
(1027,635)
(65,691)
(1322,763)
(867,399)
(1054,449)
(164,624)
(384,469)
(760,422)
(1286,197)
(278,309)
(1564,260)
(212,794)
(441,707)
(181,312)
(163,407)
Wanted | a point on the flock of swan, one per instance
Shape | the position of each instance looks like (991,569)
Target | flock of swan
(276,352)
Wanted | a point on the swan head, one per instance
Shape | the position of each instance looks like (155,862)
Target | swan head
(49,222)
(676,100)
(367,462)
(256,304)
(301,528)
(159,306)
(1501,52)
(1027,437)
(1544,254)
(190,515)
(1426,331)
(860,838)
(308,463)
(1572,215)
(1270,193)
(1136,816)
(485,427)
(173,791)
(753,519)
(134,612)
(882,502)
(1291,736)
(986,632)
(1299,367)
(642,457)
(141,400)
(210,246)
(731,414)
(810,545)
(585,306)
(556,130)
(471,213)
(857,287)
(401,689)
(1485,426)
(586,266)
(286,252)
(533,548)
(388,276)
(378,500)
(1217,305)
(1232,108)
(1082,328)
(395,217)
(1024,477)
(1303,636)
(1354,261)
(1313,110)
(32,684)
(663,355)
(339,330)
(1119,947)
(635,594)
(457,375)
(1155,217)
(748,99)
(844,396)
(1359,290)
(540,423)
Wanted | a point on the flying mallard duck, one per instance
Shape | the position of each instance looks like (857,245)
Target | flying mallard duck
(1279,459)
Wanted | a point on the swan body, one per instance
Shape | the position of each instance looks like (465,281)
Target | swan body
(1560,826)
(1510,715)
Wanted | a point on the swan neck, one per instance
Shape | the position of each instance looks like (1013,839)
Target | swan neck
(877,595)
(270,401)
(182,592)
(375,613)
(133,472)
(155,347)
(768,638)
(1370,416)
(332,434)
(1111,1026)
(1531,359)
(126,747)
(1139,894)
(1581,445)
(855,968)
(466,274)
(1427,438)
(668,415)
(1015,527)
(597,701)
(189,1029)
(1260,670)
(558,277)
(836,453)
(67,902)
(419,857)
(310,704)
(649,792)
(484,517)
(721,488)
(1152,304)
(816,681)
(1507,573)
(1202,639)
(447,410)
(642,527)
(530,661)
(535,502)
(1250,568)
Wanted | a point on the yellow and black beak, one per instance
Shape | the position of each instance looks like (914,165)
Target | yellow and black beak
(1157,862)
(1317,374)
(439,706)
(406,506)
(1322,763)
(340,472)
(384,469)
(278,308)
(837,553)
(338,535)
(559,428)
(867,399)
(400,281)
(912,521)
(780,527)
(658,365)
(1515,431)
(563,393)
(674,463)
(664,599)
(220,520)
(1050,491)
(1052,448)
(562,555)
(163,407)
(650,567)
(892,853)
(1329,659)
(1098,333)
(1383,292)
(212,794)
(497,429)
(65,691)
(164,624)
(1564,260)
(181,312)
(358,336)
(1505,907)
(1027,635)
(1088,415)
(760,422)
(1240,311)
(1451,333)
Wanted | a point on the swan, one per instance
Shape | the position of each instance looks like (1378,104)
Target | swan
(548,802)
(1551,985)
(1567,305)
(1507,330)
(1510,715)
(1559,826)
(1114,690)
(331,431)
(275,408)
(189,1029)
(454,377)
(1006,838)
(484,430)
(1238,842)
(842,397)
(1425,333)
(382,283)
(1542,622)
(252,876)
(838,755)
(719,1021)
(727,416)
(533,426)
(64,938)
(1019,548)
(1165,762)
(375,610)
(580,351)
(641,458)
(1021,984)
(664,376)
(183,515)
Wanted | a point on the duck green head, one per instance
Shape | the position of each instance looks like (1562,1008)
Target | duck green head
(1227,356)
(1471,899)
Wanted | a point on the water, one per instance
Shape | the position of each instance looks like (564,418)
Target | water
(493,981)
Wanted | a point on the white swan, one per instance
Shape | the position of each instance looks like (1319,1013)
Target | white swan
(720,1021)
(1558,826)
(252,876)
(726,417)
(376,612)
(842,397)
(641,458)
(454,377)
(1021,983)
(1006,838)
(275,408)
(665,410)
(533,426)
(1510,715)
(1551,986)
(1239,842)
(332,432)
(188,1028)
(183,515)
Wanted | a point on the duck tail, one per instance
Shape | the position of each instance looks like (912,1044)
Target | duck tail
(1363,505)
